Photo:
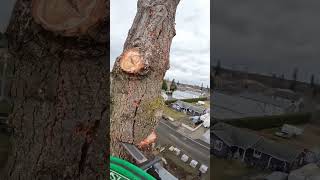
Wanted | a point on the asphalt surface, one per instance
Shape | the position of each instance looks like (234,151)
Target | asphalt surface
(197,150)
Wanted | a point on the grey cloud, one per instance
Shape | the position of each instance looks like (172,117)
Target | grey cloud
(268,36)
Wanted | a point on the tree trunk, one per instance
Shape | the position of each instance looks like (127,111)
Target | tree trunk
(138,73)
(60,94)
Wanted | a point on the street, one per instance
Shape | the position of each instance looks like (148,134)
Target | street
(195,149)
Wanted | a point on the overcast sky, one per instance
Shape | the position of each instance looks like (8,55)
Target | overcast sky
(190,50)
(6,7)
(268,36)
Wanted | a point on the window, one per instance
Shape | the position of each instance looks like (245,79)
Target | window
(256,154)
(218,145)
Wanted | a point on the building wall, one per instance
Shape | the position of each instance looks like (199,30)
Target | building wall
(225,148)
(275,164)
(261,162)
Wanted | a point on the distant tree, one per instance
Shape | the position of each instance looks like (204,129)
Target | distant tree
(178,83)
(173,86)
(294,79)
(164,85)
(295,74)
(312,81)
(218,68)
(313,86)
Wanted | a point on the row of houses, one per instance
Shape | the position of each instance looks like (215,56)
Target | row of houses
(189,108)
(254,150)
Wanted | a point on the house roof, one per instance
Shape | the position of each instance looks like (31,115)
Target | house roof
(310,171)
(283,152)
(226,106)
(286,94)
(186,105)
(234,136)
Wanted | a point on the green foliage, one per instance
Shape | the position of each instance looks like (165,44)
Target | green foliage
(164,85)
(173,86)
(266,122)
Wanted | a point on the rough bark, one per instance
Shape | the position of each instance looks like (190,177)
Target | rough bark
(60,94)
(136,91)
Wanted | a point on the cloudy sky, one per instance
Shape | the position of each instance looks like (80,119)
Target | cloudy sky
(268,36)
(190,50)
(6,7)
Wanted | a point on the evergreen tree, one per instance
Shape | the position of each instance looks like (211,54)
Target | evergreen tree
(294,79)
(164,85)
(218,68)
(173,86)
(313,86)
(312,81)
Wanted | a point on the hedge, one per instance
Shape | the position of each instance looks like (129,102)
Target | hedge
(266,122)
(186,100)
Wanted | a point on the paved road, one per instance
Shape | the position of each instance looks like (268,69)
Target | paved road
(167,135)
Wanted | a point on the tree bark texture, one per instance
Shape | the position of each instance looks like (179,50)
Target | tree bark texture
(60,93)
(136,100)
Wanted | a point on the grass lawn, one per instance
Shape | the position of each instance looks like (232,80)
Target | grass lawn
(173,113)
(223,169)
(207,104)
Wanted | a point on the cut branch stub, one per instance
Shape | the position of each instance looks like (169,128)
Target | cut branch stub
(68,17)
(131,61)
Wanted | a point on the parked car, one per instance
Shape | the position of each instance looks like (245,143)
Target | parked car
(196,120)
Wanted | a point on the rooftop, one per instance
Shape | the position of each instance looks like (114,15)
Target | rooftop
(243,138)
(246,104)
